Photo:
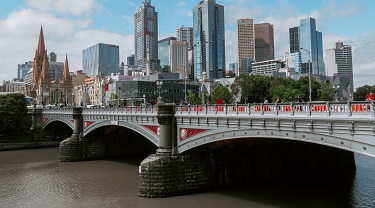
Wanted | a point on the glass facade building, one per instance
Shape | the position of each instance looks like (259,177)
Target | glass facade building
(209,40)
(311,40)
(163,51)
(101,58)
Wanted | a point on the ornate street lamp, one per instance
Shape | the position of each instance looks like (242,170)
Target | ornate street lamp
(309,72)
(159,84)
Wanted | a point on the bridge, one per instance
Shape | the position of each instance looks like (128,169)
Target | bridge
(178,130)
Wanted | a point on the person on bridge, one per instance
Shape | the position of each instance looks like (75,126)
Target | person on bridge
(370,97)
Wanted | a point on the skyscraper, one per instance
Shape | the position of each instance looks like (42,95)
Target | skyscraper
(178,57)
(264,42)
(339,60)
(246,45)
(163,51)
(146,38)
(311,41)
(185,34)
(209,40)
(102,58)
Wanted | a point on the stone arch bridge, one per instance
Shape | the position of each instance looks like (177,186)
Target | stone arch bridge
(176,130)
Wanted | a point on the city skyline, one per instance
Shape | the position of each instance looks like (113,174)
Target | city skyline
(71,26)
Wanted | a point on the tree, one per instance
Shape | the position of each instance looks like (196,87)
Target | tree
(253,88)
(362,92)
(221,92)
(326,92)
(194,99)
(12,109)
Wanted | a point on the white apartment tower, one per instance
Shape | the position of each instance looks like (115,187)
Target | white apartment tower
(339,61)
(146,38)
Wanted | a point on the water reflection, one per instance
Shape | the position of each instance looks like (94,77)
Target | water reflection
(34,178)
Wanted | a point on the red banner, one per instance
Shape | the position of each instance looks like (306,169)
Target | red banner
(106,87)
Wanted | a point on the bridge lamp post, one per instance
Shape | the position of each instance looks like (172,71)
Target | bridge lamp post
(309,72)
(159,85)
(185,89)
(203,76)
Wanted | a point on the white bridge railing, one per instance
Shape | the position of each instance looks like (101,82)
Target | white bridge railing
(349,109)
(274,109)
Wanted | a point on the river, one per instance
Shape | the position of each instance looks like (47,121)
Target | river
(35,178)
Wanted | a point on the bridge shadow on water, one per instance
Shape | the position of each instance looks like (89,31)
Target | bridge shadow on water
(327,190)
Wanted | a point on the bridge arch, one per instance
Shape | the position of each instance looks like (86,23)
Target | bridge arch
(69,123)
(149,135)
(344,142)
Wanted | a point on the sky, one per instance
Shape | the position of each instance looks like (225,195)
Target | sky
(73,25)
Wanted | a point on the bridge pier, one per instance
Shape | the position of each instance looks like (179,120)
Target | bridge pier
(36,130)
(76,147)
(167,173)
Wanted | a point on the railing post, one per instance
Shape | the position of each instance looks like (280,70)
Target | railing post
(292,109)
(226,109)
(249,108)
(262,108)
(350,109)
(215,107)
(236,108)
(372,109)
(328,108)
(309,105)
(205,109)
(277,109)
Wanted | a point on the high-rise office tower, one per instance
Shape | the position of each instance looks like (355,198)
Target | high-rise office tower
(146,38)
(246,45)
(209,40)
(163,51)
(310,46)
(101,58)
(339,60)
(130,60)
(185,34)
(178,57)
(264,42)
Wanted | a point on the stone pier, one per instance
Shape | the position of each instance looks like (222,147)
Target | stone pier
(167,173)
(76,147)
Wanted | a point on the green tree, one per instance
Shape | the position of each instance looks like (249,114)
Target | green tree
(194,99)
(362,92)
(326,92)
(221,92)
(253,88)
(12,109)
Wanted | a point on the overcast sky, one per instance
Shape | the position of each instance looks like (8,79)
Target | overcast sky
(73,25)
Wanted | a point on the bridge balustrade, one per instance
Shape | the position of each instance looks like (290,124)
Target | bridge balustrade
(293,109)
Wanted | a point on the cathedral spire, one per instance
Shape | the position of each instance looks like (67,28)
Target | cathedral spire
(66,74)
(41,46)
(45,70)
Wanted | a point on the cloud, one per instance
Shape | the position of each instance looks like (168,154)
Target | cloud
(19,34)
(334,11)
(186,12)
(73,7)
(182,3)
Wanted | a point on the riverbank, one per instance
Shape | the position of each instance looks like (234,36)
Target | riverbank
(23,140)
(28,145)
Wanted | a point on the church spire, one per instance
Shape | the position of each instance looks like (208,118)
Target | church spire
(66,74)
(45,70)
(41,46)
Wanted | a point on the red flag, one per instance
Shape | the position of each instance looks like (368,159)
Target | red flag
(147,33)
